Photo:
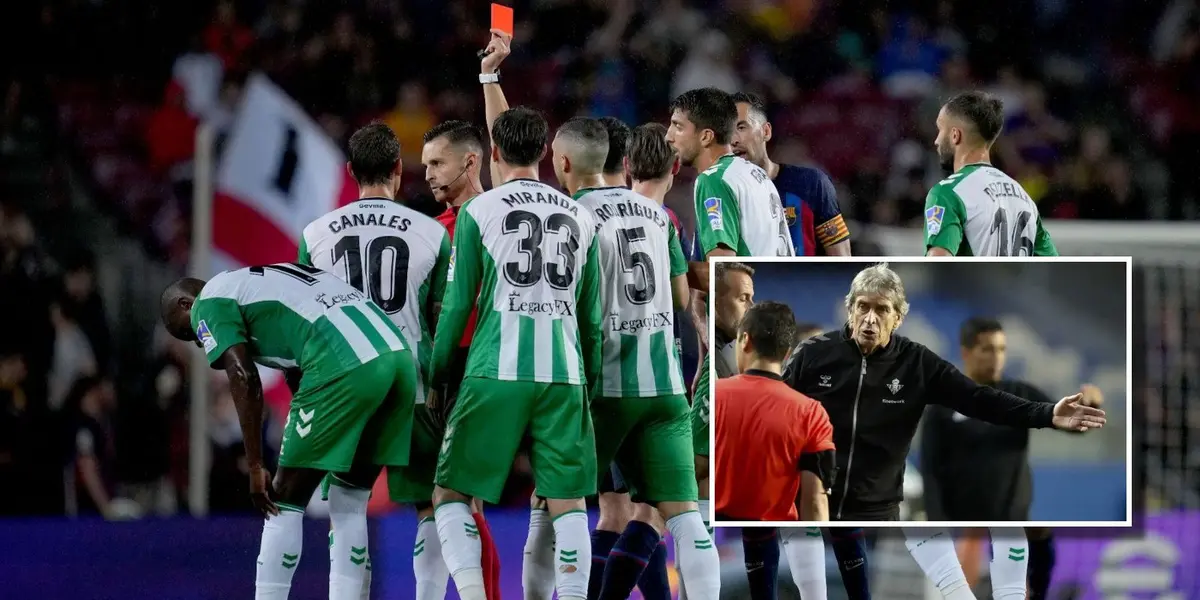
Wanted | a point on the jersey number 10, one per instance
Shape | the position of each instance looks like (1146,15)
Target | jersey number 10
(387,287)
(1020,245)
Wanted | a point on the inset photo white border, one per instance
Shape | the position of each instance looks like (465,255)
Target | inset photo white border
(870,260)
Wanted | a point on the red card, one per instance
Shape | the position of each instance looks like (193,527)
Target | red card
(502,18)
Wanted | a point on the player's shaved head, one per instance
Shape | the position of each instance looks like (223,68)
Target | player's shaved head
(618,137)
(757,108)
(175,306)
(650,156)
(374,154)
(520,136)
(464,136)
(982,112)
(585,142)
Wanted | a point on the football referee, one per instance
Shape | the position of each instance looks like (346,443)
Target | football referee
(976,471)
(875,386)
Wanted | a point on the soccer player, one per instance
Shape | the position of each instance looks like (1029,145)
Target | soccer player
(453,157)
(639,409)
(978,211)
(774,446)
(738,210)
(525,254)
(398,258)
(809,199)
(618,514)
(354,383)
(976,471)
(853,371)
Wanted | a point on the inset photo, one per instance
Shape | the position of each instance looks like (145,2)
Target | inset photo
(969,393)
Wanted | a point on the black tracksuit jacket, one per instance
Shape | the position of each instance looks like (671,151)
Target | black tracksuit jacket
(875,403)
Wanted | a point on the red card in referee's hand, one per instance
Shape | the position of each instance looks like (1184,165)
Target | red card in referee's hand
(502,18)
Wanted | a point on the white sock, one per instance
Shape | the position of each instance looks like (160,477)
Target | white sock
(1010,563)
(805,551)
(678,571)
(933,549)
(704,516)
(699,563)
(429,567)
(278,554)
(572,555)
(537,568)
(461,549)
(348,552)
(366,586)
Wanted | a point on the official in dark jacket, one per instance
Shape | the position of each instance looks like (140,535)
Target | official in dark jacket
(875,386)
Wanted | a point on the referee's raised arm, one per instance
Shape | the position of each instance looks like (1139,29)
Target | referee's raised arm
(947,386)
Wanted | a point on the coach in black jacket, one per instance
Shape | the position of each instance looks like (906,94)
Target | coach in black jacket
(875,386)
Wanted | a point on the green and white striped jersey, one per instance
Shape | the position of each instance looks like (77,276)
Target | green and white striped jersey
(981,211)
(292,316)
(737,206)
(524,254)
(392,253)
(638,253)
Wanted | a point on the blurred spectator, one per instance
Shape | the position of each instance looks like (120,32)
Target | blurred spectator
(171,131)
(612,91)
(230,489)
(1035,134)
(227,38)
(410,118)
(82,301)
(73,357)
(910,60)
(708,64)
(14,404)
(88,407)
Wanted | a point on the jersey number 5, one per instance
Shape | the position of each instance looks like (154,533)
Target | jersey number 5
(1020,245)
(387,287)
(559,277)
(634,264)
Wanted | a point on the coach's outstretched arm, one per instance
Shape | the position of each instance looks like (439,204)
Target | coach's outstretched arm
(463,274)
(949,387)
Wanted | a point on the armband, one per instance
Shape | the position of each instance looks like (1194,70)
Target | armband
(822,464)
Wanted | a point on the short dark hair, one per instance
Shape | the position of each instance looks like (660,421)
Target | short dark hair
(709,108)
(982,110)
(591,138)
(725,268)
(972,328)
(374,152)
(618,137)
(754,100)
(457,133)
(651,156)
(771,327)
(520,135)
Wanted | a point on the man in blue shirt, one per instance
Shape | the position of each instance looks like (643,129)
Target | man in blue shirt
(809,198)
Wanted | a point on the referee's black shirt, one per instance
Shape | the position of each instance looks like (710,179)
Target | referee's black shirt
(875,403)
(974,470)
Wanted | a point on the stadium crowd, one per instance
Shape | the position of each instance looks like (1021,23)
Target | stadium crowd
(1100,124)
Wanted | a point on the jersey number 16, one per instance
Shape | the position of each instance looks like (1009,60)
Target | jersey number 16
(1020,245)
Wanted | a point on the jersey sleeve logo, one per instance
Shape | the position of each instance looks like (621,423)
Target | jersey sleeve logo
(712,208)
(450,265)
(206,337)
(933,219)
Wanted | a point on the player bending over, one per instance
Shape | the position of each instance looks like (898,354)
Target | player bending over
(398,258)
(525,254)
(774,445)
(453,156)
(810,203)
(350,414)
(979,210)
(639,408)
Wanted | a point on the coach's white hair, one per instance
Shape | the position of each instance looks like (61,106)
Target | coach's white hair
(878,280)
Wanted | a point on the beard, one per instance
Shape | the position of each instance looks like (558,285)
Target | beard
(946,158)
